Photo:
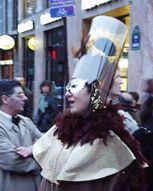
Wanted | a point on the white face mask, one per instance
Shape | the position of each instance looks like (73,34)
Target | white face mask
(76,85)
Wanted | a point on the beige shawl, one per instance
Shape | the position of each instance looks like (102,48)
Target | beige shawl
(80,163)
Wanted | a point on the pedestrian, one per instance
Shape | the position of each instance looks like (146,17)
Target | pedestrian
(146,110)
(128,104)
(114,98)
(145,134)
(28,107)
(18,169)
(136,97)
(89,147)
(47,107)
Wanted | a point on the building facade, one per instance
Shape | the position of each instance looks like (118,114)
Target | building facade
(45,43)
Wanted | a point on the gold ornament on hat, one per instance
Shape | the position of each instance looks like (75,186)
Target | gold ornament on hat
(95,100)
(91,48)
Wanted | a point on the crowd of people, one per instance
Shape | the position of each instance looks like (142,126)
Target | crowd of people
(102,141)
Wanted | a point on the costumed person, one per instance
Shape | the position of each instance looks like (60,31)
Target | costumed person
(47,108)
(89,148)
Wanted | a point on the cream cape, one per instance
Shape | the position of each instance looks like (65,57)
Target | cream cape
(80,163)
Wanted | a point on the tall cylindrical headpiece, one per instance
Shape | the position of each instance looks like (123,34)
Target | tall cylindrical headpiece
(105,43)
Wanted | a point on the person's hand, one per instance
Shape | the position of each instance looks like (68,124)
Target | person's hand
(24,151)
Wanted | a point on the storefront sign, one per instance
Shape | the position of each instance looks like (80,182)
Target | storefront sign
(62,8)
(23,27)
(135,44)
(88,4)
(6,62)
(46,18)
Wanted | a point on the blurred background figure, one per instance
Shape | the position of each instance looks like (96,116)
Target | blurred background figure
(147,90)
(136,97)
(146,111)
(114,95)
(145,134)
(129,105)
(28,108)
(47,107)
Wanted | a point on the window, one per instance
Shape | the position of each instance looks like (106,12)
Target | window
(15,16)
(30,7)
(1,16)
(56,62)
(123,61)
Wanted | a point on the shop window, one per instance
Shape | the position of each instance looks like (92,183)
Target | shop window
(11,15)
(28,65)
(123,61)
(123,66)
(1,16)
(48,3)
(15,7)
(6,64)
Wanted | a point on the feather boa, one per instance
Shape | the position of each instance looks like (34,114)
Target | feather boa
(72,129)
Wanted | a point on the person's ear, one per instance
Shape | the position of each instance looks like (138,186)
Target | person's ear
(4,99)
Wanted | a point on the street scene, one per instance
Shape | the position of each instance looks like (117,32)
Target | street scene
(76,95)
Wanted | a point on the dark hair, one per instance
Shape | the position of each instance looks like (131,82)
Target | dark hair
(7,87)
(45,83)
(135,95)
(149,85)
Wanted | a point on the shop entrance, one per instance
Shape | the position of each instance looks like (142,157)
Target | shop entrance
(56,62)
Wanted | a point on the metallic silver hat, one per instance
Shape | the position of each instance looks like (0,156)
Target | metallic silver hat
(106,39)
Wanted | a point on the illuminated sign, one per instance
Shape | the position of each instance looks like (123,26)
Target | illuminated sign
(6,62)
(32,43)
(46,18)
(88,4)
(6,42)
(23,27)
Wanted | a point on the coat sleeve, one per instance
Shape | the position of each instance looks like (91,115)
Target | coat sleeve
(35,133)
(13,162)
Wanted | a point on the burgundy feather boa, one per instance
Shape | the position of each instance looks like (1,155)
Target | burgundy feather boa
(74,128)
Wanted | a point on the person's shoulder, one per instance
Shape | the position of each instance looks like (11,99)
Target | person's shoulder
(25,119)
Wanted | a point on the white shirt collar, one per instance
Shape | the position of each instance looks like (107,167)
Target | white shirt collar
(6,115)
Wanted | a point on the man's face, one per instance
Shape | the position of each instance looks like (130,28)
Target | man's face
(15,102)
